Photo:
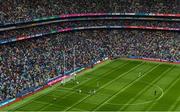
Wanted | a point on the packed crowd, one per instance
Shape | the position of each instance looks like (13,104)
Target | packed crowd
(32,63)
(25,10)
(56,26)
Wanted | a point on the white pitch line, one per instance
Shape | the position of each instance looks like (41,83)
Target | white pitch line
(15,108)
(106,85)
(52,89)
(33,99)
(89,79)
(124,88)
(150,107)
(40,102)
(175,104)
(144,89)
(95,79)
(162,94)
(46,106)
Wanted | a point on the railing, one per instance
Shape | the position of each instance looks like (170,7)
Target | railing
(14,39)
(90,15)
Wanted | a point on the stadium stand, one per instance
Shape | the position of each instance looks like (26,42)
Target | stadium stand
(49,27)
(26,10)
(31,63)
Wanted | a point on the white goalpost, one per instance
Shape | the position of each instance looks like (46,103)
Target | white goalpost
(73,75)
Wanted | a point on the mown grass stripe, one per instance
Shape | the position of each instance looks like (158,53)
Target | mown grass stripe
(117,65)
(99,107)
(124,73)
(129,93)
(35,98)
(146,88)
(173,82)
(164,83)
(110,89)
(89,81)
(169,98)
(175,105)
(138,86)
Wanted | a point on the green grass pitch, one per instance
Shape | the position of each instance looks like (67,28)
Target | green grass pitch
(112,86)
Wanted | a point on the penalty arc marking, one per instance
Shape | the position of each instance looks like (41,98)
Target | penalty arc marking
(162,94)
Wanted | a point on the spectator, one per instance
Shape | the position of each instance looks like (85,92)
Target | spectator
(31,63)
